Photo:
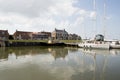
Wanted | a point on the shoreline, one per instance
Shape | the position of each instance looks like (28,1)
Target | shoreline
(21,44)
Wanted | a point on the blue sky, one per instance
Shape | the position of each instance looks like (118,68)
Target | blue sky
(112,13)
(76,16)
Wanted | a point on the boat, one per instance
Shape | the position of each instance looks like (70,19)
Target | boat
(115,45)
(94,45)
(98,42)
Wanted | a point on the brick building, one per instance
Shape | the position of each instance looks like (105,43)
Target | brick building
(60,34)
(4,35)
(22,35)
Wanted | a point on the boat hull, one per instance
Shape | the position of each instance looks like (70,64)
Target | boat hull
(115,46)
(94,46)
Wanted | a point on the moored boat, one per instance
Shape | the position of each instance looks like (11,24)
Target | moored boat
(115,45)
(94,45)
(97,43)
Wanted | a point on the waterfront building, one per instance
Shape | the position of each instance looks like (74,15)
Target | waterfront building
(60,34)
(41,36)
(46,33)
(22,35)
(74,37)
(4,35)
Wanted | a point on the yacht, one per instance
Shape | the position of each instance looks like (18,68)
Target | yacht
(115,45)
(89,44)
(97,43)
(94,45)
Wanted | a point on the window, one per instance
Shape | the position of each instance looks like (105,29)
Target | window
(3,32)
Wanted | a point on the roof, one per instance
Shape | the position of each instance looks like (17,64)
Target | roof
(23,31)
(56,30)
(6,32)
(3,30)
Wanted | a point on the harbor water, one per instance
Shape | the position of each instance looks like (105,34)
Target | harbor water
(58,63)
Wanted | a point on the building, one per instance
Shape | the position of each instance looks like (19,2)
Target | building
(4,35)
(41,35)
(22,35)
(60,34)
(48,34)
(74,37)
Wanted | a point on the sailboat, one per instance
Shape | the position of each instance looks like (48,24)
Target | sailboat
(99,42)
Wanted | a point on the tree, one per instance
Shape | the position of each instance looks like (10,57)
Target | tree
(11,37)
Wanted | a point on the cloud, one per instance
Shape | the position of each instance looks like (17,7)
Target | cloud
(31,8)
(35,8)
(63,8)
(93,15)
(38,15)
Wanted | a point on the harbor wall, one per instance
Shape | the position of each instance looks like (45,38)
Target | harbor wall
(20,44)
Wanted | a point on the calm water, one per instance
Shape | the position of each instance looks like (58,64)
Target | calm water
(39,63)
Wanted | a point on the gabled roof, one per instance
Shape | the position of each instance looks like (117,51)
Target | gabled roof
(57,30)
(23,31)
(5,32)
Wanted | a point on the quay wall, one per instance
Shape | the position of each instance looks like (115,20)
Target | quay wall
(20,44)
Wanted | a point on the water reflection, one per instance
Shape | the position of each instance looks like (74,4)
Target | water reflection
(22,51)
(49,63)
(58,52)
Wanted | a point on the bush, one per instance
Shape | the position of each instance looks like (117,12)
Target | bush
(11,37)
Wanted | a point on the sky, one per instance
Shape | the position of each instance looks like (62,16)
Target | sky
(75,16)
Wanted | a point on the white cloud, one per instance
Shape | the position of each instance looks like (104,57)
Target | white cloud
(38,15)
(31,8)
(93,15)
(63,8)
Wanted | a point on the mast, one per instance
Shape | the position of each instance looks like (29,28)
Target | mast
(94,8)
(104,20)
(95,17)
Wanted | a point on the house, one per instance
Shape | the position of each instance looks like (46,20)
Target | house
(4,35)
(74,37)
(41,36)
(22,35)
(60,34)
(47,33)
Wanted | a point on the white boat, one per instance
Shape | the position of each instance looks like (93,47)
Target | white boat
(94,45)
(115,45)
(100,44)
